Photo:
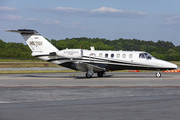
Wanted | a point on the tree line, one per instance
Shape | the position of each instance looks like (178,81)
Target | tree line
(161,49)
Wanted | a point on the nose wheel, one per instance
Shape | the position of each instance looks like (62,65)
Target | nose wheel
(158,74)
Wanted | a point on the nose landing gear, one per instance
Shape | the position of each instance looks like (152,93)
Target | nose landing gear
(158,74)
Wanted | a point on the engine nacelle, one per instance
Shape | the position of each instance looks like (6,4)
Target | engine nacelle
(70,53)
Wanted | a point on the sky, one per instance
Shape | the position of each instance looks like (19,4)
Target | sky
(149,20)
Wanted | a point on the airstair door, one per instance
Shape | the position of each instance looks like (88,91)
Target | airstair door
(92,57)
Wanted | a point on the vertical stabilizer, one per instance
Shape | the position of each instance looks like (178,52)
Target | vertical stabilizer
(37,43)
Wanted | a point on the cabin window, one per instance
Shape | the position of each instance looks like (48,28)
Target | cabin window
(112,55)
(100,55)
(124,55)
(118,55)
(106,55)
(130,55)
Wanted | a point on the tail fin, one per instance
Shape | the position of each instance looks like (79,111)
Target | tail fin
(37,43)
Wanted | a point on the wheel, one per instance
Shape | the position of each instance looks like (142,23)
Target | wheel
(100,74)
(158,74)
(88,76)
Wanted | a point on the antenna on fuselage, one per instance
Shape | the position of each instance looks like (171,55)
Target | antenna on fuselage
(92,48)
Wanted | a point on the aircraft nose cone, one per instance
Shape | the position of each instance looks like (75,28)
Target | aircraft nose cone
(166,65)
(175,66)
(171,65)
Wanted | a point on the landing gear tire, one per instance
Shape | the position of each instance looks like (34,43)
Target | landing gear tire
(158,74)
(100,74)
(88,76)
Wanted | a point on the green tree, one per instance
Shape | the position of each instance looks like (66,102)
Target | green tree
(72,44)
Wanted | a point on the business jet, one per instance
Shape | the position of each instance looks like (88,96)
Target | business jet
(92,61)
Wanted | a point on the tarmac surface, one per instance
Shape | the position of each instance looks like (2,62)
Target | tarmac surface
(79,79)
(72,96)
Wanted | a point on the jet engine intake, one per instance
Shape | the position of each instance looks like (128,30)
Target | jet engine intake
(70,53)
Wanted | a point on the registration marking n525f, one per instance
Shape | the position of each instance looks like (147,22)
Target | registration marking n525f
(36,43)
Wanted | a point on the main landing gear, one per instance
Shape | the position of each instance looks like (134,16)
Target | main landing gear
(88,75)
(99,74)
(158,74)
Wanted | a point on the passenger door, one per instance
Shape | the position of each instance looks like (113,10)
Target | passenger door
(92,57)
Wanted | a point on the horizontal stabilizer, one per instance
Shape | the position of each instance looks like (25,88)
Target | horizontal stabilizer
(24,31)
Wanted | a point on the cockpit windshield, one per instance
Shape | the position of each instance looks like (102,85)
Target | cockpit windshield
(145,56)
(141,55)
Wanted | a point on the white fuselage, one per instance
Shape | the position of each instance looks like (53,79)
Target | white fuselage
(110,60)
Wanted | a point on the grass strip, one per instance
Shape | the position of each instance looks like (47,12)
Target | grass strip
(16,60)
(36,71)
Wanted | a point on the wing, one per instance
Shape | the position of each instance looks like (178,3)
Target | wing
(85,67)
